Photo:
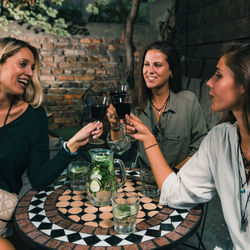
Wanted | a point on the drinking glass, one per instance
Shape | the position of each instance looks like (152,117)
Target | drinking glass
(122,103)
(149,186)
(98,105)
(125,206)
(78,174)
(117,90)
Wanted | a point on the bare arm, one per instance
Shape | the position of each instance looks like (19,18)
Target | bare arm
(5,244)
(137,130)
(180,164)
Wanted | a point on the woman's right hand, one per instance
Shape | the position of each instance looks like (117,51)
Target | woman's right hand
(113,118)
(139,131)
(93,129)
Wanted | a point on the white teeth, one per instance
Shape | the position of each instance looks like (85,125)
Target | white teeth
(23,81)
(151,78)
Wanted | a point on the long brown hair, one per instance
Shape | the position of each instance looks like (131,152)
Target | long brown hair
(238,60)
(141,93)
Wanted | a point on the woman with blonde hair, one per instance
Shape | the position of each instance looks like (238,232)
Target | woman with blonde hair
(24,134)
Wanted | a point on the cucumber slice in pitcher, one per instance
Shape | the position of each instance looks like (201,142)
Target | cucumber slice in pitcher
(96,174)
(95,186)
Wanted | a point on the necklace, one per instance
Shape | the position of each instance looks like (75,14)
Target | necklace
(246,165)
(4,123)
(244,221)
(164,104)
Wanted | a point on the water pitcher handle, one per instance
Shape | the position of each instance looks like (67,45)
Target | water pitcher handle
(122,167)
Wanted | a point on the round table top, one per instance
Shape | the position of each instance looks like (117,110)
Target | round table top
(57,218)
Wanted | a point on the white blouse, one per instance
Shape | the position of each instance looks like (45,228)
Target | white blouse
(217,166)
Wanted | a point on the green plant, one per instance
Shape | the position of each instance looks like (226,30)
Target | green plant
(42,14)
(71,13)
(115,11)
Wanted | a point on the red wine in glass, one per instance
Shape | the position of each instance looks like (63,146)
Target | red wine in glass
(98,105)
(118,90)
(122,109)
(122,103)
(115,93)
(98,111)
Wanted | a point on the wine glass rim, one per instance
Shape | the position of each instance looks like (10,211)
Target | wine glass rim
(100,97)
(123,96)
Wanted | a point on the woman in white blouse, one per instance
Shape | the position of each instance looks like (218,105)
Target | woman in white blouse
(223,160)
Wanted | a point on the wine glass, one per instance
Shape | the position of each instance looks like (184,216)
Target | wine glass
(98,105)
(120,89)
(122,103)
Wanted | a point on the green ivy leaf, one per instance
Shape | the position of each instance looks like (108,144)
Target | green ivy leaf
(39,14)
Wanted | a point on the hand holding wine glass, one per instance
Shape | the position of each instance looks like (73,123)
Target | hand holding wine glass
(122,103)
(91,130)
(113,118)
(98,105)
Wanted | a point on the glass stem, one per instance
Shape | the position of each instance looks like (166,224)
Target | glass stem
(123,131)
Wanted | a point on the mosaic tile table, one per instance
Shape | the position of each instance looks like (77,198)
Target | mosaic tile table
(58,218)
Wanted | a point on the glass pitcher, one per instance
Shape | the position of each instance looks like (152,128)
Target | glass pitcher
(102,182)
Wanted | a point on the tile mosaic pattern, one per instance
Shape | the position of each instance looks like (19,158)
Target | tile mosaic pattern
(75,206)
(38,218)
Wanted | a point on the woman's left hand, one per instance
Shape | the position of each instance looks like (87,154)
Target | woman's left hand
(93,129)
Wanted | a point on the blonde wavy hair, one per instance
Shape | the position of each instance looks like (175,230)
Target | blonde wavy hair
(10,46)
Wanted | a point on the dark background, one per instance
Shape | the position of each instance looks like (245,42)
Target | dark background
(203,26)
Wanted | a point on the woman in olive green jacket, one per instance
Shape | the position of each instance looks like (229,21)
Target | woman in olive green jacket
(173,115)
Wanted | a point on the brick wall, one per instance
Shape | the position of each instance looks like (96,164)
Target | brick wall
(70,65)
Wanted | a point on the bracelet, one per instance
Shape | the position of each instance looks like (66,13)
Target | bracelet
(151,146)
(67,149)
(115,129)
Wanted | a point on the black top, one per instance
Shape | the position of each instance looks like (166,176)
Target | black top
(25,145)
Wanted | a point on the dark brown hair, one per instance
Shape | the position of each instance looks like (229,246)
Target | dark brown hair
(141,93)
(238,60)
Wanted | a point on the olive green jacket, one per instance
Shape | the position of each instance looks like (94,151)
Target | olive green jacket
(179,133)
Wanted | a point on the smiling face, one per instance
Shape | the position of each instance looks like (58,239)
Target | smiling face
(16,72)
(224,93)
(156,70)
